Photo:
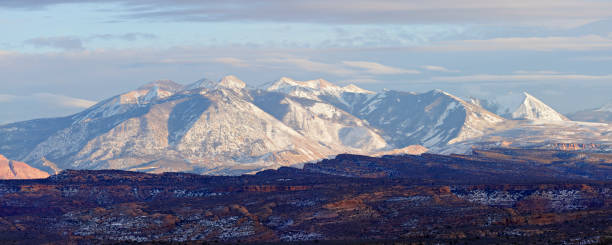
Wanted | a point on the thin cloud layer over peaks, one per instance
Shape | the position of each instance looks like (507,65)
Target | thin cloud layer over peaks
(378,69)
(526,77)
(76,43)
(344,68)
(132,36)
(42,104)
(94,49)
(554,43)
(64,101)
(53,99)
(438,68)
(7,97)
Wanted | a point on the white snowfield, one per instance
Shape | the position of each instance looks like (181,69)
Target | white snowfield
(226,127)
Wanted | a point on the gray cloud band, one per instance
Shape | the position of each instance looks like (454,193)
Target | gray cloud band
(557,12)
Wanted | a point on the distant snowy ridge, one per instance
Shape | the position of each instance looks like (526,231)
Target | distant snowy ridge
(602,114)
(605,108)
(312,88)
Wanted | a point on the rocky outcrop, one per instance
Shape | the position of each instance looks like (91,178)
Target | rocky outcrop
(10,169)
(576,146)
(410,150)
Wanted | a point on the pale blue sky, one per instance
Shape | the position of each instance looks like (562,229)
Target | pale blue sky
(58,55)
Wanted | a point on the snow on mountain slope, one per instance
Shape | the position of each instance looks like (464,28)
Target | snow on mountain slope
(19,139)
(534,109)
(543,125)
(535,134)
(216,128)
(233,130)
(430,119)
(330,125)
(478,121)
(352,88)
(131,100)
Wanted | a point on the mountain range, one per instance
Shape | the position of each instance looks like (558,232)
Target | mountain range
(226,127)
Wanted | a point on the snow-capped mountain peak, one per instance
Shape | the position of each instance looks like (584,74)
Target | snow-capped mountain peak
(228,82)
(231,82)
(534,109)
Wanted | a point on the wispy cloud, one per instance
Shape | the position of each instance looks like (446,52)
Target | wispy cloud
(197,59)
(361,80)
(49,99)
(526,12)
(64,43)
(344,68)
(232,61)
(542,72)
(64,101)
(438,68)
(379,69)
(132,36)
(7,97)
(71,43)
(522,78)
(593,58)
(313,66)
(24,107)
(563,43)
